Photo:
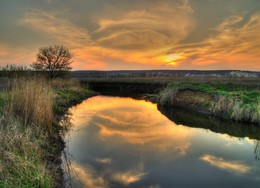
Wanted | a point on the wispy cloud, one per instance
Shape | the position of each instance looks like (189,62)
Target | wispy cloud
(62,31)
(233,166)
(3,51)
(143,29)
(104,160)
(87,177)
(151,33)
(131,176)
(234,44)
(57,27)
(11,55)
(145,25)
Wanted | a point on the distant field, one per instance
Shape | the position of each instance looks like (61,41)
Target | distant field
(170,79)
(166,76)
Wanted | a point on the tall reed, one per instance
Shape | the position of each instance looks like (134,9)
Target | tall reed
(31,99)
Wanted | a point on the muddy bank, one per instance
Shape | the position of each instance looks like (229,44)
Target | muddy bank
(64,100)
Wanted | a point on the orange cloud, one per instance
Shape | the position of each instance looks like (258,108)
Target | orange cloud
(151,33)
(137,36)
(19,56)
(234,46)
(145,26)
(87,176)
(66,33)
(3,51)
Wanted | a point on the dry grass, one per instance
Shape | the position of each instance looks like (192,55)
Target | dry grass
(31,99)
(234,109)
(71,84)
(24,132)
(166,97)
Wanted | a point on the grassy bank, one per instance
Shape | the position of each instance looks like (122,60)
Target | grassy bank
(30,136)
(236,101)
(229,98)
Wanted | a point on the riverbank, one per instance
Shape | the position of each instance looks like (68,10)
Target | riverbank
(32,108)
(30,132)
(235,101)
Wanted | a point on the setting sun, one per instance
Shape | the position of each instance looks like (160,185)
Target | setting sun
(172,59)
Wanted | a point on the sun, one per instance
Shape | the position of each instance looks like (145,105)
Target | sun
(171,59)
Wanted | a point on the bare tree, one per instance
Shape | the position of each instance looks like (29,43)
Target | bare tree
(54,60)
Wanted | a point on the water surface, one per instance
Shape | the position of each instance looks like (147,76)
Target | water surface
(122,142)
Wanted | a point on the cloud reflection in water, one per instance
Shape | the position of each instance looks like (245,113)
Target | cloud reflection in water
(233,166)
(126,123)
(122,142)
(131,122)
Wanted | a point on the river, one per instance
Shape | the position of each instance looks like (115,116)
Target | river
(122,142)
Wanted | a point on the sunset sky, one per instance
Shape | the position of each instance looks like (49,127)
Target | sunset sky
(134,34)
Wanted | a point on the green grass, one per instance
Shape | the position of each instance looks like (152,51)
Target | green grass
(3,100)
(249,94)
(66,97)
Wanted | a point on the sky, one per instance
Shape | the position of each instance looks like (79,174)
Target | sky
(134,34)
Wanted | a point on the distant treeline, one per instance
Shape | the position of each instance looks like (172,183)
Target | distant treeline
(165,73)
(16,71)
